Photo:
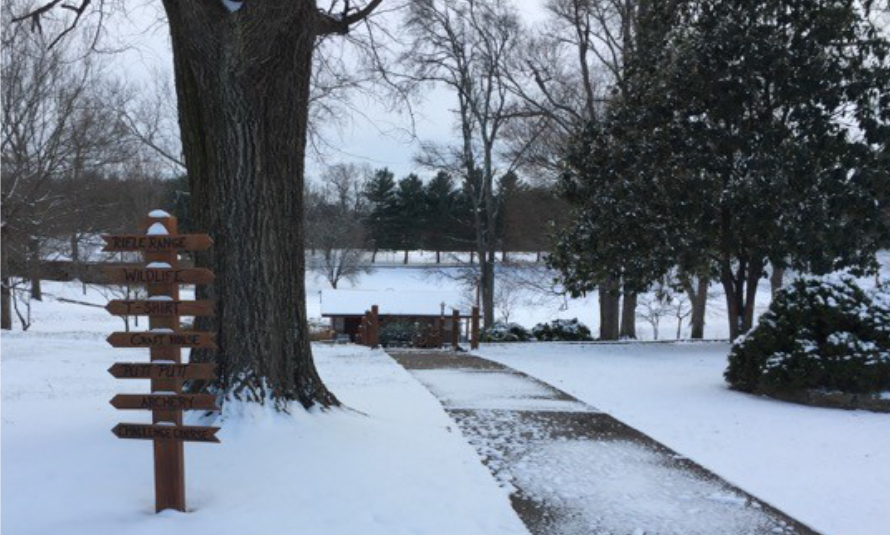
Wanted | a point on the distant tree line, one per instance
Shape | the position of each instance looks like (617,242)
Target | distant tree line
(355,208)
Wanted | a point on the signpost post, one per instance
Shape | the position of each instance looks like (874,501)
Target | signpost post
(160,247)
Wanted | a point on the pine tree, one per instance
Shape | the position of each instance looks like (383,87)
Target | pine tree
(380,193)
(410,218)
(440,221)
(509,187)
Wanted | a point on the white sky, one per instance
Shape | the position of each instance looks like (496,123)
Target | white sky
(374,139)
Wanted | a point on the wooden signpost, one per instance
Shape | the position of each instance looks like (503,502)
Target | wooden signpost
(165,339)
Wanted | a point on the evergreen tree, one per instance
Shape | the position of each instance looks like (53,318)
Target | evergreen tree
(783,121)
(751,133)
(509,188)
(380,193)
(440,217)
(410,216)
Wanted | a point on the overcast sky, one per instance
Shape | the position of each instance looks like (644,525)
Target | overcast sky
(377,138)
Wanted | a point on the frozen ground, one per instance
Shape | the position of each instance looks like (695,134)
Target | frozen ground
(578,471)
(519,295)
(828,468)
(398,466)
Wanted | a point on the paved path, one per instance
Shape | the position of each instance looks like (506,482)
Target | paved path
(575,470)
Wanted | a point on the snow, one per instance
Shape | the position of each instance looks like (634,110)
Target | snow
(159,213)
(392,463)
(389,301)
(157,229)
(159,265)
(491,390)
(828,468)
(621,486)
(232,5)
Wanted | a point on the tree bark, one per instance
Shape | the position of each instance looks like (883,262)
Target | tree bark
(242,81)
(741,293)
(776,279)
(34,269)
(405,260)
(610,304)
(629,315)
(5,306)
(755,272)
(486,284)
(698,297)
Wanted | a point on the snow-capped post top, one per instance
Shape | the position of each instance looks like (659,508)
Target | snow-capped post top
(157,229)
(158,214)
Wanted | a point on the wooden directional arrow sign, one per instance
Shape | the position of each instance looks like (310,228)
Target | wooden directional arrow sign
(154,339)
(139,275)
(188,433)
(162,243)
(134,370)
(160,308)
(165,402)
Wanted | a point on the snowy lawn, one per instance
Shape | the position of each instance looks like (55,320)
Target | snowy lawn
(396,464)
(828,468)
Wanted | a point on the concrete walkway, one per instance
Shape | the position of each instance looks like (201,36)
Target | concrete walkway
(574,470)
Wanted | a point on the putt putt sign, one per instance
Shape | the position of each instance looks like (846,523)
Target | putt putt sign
(165,339)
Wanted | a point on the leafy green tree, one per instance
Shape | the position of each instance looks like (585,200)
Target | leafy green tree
(752,132)
(784,109)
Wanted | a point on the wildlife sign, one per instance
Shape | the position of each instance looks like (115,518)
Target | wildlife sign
(164,339)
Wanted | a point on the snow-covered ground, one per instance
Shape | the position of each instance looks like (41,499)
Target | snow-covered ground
(828,468)
(394,465)
(519,296)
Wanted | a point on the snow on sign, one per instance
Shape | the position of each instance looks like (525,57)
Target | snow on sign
(160,245)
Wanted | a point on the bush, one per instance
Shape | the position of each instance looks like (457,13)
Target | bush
(505,332)
(562,331)
(398,333)
(822,333)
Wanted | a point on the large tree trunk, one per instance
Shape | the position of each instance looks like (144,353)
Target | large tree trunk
(755,272)
(776,279)
(741,293)
(34,271)
(629,315)
(486,284)
(242,80)
(698,297)
(610,305)
(6,305)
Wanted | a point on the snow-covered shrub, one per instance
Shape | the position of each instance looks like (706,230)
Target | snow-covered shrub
(561,330)
(506,332)
(823,333)
(398,333)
